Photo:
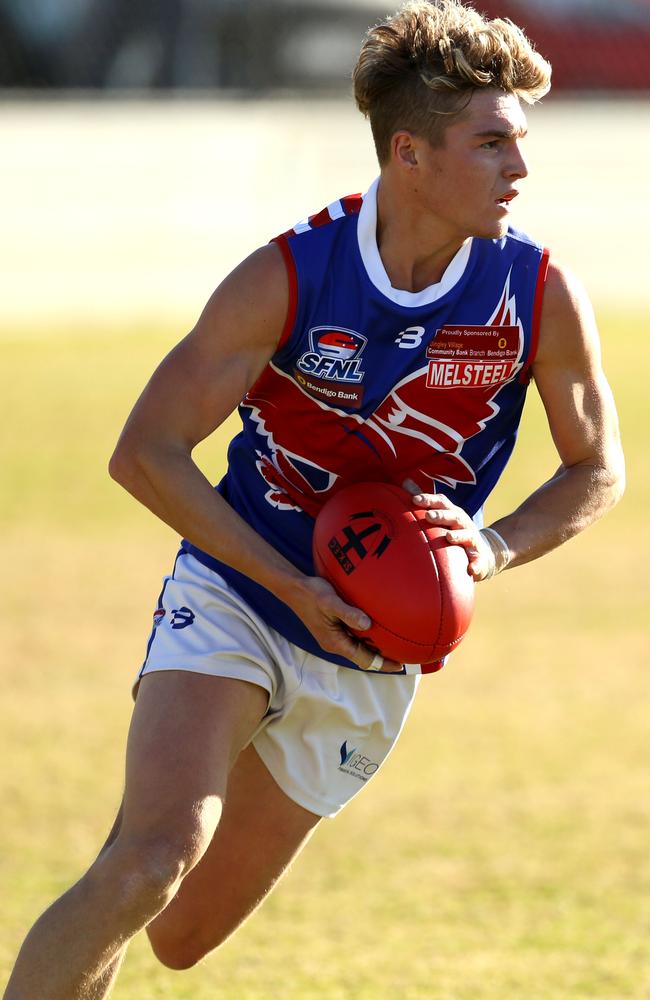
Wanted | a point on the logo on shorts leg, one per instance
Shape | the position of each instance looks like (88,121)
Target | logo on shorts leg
(355,763)
(158,616)
(182,617)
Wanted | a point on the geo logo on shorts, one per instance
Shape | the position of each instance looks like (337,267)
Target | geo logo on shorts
(355,763)
(182,617)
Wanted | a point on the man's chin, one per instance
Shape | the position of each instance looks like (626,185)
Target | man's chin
(494,231)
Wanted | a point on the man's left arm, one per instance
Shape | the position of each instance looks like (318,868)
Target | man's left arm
(583,423)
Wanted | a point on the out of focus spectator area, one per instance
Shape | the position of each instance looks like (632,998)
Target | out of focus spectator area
(260,46)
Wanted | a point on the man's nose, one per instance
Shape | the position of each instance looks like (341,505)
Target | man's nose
(517,166)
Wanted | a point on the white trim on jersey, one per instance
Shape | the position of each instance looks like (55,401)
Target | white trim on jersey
(336,210)
(366,234)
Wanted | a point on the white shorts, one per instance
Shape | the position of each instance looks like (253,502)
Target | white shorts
(327,729)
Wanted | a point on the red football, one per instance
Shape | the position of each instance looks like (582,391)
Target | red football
(382,556)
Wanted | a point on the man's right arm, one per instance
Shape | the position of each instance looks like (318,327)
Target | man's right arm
(195,388)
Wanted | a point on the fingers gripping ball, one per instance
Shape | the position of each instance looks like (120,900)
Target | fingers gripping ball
(382,556)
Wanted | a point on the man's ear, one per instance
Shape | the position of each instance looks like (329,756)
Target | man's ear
(404,150)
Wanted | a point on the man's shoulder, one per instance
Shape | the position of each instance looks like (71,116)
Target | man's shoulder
(517,237)
(327,220)
(515,246)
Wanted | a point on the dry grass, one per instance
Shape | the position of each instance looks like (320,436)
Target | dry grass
(502,852)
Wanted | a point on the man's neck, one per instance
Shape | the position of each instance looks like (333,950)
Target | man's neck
(415,250)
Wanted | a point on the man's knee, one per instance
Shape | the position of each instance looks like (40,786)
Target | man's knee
(181,949)
(147,870)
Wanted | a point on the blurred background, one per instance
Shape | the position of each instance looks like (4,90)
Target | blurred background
(147,146)
(260,45)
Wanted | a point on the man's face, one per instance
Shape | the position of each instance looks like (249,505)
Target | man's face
(469,183)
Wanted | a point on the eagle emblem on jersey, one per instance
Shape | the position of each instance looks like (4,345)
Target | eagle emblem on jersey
(417,431)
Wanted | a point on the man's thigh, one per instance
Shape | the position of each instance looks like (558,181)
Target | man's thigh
(260,832)
(186,732)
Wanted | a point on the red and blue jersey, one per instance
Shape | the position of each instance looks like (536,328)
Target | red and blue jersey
(373,383)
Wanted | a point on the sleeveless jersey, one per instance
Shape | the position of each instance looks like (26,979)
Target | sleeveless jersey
(372,383)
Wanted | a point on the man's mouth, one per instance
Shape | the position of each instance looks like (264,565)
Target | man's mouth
(506,198)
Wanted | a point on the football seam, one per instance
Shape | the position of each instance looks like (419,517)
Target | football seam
(443,602)
(444,609)
(416,642)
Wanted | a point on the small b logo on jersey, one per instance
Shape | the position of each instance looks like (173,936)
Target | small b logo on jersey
(182,617)
(410,338)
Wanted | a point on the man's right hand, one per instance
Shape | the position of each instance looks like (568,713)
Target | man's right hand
(330,619)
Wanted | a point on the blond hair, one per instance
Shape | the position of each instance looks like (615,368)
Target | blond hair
(418,69)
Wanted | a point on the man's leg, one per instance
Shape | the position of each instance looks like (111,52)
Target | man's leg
(186,733)
(260,832)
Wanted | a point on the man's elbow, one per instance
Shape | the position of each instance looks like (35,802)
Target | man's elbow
(614,481)
(123,466)
(618,487)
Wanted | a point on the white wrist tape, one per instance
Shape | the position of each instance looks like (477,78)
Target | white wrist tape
(501,554)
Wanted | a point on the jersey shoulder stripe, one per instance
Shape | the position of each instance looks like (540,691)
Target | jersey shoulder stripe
(349,205)
(538,301)
(292,306)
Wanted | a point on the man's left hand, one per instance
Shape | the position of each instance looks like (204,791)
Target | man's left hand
(460,530)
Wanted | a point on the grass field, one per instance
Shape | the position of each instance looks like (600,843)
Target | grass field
(502,854)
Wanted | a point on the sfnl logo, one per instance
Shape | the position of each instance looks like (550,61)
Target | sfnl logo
(355,763)
(335,354)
